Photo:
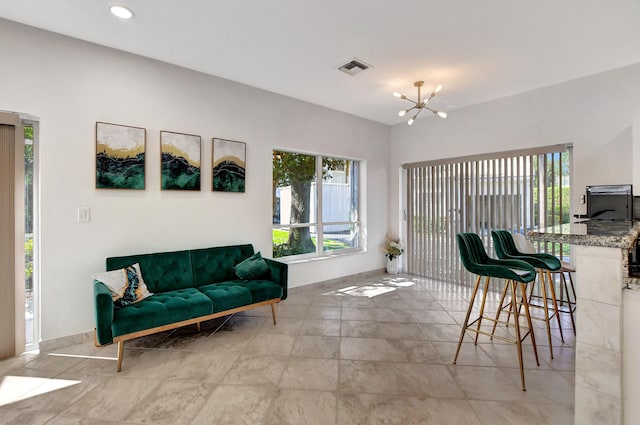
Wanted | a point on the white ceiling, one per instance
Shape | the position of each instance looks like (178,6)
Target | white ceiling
(478,50)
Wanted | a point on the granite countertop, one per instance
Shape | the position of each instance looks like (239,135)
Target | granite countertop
(609,234)
(602,233)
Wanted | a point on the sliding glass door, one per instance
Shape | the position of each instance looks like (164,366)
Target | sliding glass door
(517,191)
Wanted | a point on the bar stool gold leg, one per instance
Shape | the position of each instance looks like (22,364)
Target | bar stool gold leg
(543,286)
(500,307)
(555,303)
(466,319)
(533,286)
(484,300)
(516,316)
(525,302)
(573,288)
(569,302)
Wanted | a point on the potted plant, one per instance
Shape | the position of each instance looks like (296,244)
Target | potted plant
(392,250)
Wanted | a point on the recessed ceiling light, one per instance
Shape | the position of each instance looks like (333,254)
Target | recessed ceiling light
(121,12)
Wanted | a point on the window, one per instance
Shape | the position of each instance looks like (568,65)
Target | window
(30,185)
(311,215)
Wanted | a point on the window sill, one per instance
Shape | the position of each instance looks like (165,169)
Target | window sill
(321,257)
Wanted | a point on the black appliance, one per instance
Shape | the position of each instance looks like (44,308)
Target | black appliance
(610,202)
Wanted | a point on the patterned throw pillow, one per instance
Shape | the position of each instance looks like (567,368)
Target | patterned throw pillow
(126,285)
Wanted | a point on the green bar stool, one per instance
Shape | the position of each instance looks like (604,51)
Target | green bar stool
(545,264)
(567,305)
(516,274)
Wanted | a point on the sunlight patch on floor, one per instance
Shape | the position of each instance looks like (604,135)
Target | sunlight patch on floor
(374,289)
(16,388)
(368,291)
(400,282)
(82,356)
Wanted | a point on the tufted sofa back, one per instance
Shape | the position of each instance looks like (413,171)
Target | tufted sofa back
(212,265)
(163,271)
(167,271)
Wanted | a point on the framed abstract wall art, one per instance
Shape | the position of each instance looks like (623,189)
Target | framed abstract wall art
(180,161)
(229,165)
(120,151)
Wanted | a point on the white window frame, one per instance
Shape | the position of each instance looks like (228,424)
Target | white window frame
(319,224)
(35,123)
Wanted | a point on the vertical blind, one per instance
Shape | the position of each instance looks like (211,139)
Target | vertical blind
(518,191)
(12,240)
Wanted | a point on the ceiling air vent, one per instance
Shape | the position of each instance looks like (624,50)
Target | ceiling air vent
(353,67)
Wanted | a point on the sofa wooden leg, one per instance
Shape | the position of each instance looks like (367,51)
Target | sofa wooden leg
(95,338)
(198,326)
(273,312)
(120,354)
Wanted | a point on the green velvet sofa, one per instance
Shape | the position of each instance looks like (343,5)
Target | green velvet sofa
(188,287)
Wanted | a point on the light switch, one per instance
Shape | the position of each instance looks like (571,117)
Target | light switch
(84,214)
(582,199)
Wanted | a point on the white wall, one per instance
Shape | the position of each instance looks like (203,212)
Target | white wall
(71,84)
(595,113)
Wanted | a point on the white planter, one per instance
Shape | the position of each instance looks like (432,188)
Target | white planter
(393,266)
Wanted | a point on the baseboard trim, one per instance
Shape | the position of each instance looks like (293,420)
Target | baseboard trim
(65,341)
(342,279)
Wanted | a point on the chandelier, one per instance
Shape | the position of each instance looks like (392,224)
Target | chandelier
(420,104)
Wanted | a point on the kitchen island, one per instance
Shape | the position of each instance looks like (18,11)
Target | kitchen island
(608,307)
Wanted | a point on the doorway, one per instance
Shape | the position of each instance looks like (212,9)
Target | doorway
(31,239)
(518,191)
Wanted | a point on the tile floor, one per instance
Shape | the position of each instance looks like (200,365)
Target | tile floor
(364,351)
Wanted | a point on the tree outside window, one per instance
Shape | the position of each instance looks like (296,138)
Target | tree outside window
(312,215)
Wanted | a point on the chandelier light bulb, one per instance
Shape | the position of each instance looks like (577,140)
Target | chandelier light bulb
(402,113)
(441,114)
(410,122)
(396,94)
(438,88)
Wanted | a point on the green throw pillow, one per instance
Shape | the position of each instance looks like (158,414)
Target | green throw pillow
(251,268)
